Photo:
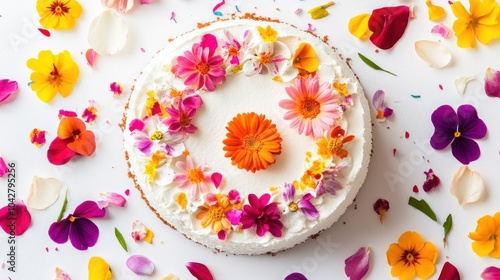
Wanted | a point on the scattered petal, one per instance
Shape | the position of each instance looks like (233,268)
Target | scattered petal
(90,113)
(441,29)
(461,83)
(3,167)
(218,5)
(388,25)
(121,6)
(435,12)
(216,179)
(320,11)
(45,32)
(358,26)
(65,113)
(172,17)
(357,265)
(381,206)
(111,198)
(8,89)
(199,271)
(43,192)
(61,275)
(492,83)
(37,137)
(116,88)
(491,273)
(431,180)
(16,211)
(298,11)
(91,56)
(99,269)
(467,186)
(423,207)
(107,33)
(449,272)
(295,276)
(140,265)
(170,276)
(145,2)
(435,54)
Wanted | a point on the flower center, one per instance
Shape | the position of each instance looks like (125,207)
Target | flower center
(71,218)
(175,93)
(196,175)
(157,135)
(184,120)
(265,58)
(410,256)
(335,145)
(203,68)
(456,134)
(58,8)
(493,236)
(309,108)
(233,51)
(251,142)
(293,206)
(216,213)
(54,77)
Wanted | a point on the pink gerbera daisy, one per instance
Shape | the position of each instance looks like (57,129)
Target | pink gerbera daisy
(196,179)
(201,67)
(313,108)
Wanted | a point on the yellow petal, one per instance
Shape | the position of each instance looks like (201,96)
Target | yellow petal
(459,11)
(394,254)
(424,268)
(411,240)
(99,269)
(486,33)
(404,271)
(358,26)
(435,12)
(149,236)
(483,248)
(495,253)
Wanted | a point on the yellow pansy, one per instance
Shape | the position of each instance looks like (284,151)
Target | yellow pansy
(487,236)
(58,14)
(99,269)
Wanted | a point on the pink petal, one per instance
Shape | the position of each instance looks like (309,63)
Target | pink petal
(15,218)
(491,273)
(216,179)
(140,265)
(234,196)
(450,272)
(492,83)
(91,56)
(357,265)
(111,198)
(199,271)
(7,89)
(234,216)
(441,29)
(218,5)
(146,2)
(3,167)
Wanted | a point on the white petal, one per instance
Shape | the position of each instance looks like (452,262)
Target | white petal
(433,53)
(43,192)
(170,276)
(107,33)
(461,83)
(467,186)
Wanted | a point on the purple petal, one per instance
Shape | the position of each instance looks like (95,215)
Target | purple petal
(465,150)
(378,100)
(7,89)
(357,265)
(89,209)
(59,231)
(445,122)
(450,272)
(199,271)
(140,265)
(308,209)
(469,124)
(275,227)
(295,276)
(491,273)
(83,233)
(288,192)
(492,83)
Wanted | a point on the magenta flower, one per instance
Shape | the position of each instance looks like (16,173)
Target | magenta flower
(491,273)
(357,265)
(288,191)
(458,128)
(15,218)
(431,180)
(492,83)
(388,25)
(296,276)
(383,112)
(199,271)
(7,89)
(82,232)
(200,67)
(180,118)
(261,214)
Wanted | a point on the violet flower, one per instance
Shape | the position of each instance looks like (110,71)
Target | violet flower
(82,232)
(261,214)
(383,112)
(288,191)
(152,134)
(180,118)
(328,184)
(431,180)
(458,128)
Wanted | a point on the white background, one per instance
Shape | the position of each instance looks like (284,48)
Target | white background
(323,258)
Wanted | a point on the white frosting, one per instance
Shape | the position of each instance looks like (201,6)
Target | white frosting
(259,94)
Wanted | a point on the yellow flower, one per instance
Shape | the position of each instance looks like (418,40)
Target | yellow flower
(181,200)
(341,88)
(482,22)
(99,269)
(410,256)
(157,160)
(268,34)
(213,213)
(320,11)
(305,58)
(435,12)
(358,26)
(53,74)
(487,236)
(58,14)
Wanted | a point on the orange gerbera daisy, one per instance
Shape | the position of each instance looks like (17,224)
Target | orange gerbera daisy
(252,141)
(334,146)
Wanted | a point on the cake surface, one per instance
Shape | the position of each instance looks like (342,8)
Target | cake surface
(298,111)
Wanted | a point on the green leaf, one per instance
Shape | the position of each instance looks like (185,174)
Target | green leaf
(63,209)
(447,227)
(121,240)
(372,64)
(423,207)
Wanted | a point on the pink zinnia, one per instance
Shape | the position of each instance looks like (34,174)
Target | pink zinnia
(262,215)
(200,67)
(313,108)
(195,179)
(180,118)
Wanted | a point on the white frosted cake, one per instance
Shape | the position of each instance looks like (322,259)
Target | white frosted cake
(247,135)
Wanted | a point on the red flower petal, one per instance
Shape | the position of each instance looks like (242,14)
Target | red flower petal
(59,153)
(388,25)
(200,271)
(15,218)
(449,272)
(45,32)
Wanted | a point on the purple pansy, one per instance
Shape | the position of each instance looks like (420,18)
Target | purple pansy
(458,128)
(81,231)
(431,180)
(288,191)
(296,276)
(383,112)
(261,214)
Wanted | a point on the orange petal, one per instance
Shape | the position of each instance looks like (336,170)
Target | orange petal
(305,58)
(85,144)
(69,126)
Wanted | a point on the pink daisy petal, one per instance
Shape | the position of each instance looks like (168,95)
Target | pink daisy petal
(8,89)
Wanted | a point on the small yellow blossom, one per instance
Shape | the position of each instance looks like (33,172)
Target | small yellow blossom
(268,34)
(181,200)
(58,14)
(487,236)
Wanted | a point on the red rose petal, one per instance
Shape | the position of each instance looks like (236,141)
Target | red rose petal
(45,32)
(58,152)
(388,25)
(449,272)
(15,218)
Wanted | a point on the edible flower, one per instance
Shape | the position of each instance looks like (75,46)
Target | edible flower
(261,215)
(232,48)
(99,269)
(449,271)
(121,6)
(116,88)
(61,275)
(72,139)
(482,22)
(381,206)
(486,237)
(195,179)
(267,57)
(320,11)
(141,232)
(312,108)
(357,265)
(7,89)
(267,34)
(295,276)
(411,255)
(305,58)
(58,14)
(388,25)
(491,273)
(37,137)
(304,204)
(199,271)
(383,111)
(435,12)
(43,192)
(90,113)
(201,67)
(358,26)
(458,128)
(328,183)
(431,180)
(214,212)
(492,82)
(17,211)
(335,145)
(252,142)
(53,74)
(140,265)
(78,227)
(181,118)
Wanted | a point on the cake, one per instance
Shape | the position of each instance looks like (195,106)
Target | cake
(247,135)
